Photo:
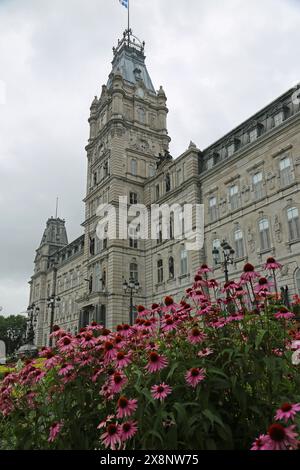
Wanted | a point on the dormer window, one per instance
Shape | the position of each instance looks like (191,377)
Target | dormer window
(253,135)
(210,163)
(278,118)
(137,74)
(232,147)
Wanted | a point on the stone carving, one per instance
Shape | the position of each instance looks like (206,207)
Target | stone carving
(251,240)
(271,180)
(277,229)
(284,271)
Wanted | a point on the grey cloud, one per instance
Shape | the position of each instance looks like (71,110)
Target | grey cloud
(218,61)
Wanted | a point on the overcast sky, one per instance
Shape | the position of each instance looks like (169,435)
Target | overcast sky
(218,61)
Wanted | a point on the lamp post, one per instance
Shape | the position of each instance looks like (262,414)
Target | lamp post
(52,303)
(132,287)
(228,258)
(33,312)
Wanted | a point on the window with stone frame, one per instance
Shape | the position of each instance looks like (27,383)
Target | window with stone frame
(234,198)
(168,182)
(157,192)
(133,198)
(293,223)
(171,268)
(133,166)
(257,181)
(151,170)
(213,209)
(134,271)
(183,261)
(171,226)
(210,163)
(239,243)
(286,171)
(264,234)
(160,271)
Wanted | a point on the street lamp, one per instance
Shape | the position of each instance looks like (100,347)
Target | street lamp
(52,303)
(132,287)
(228,257)
(33,312)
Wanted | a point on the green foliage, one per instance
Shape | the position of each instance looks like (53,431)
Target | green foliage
(12,330)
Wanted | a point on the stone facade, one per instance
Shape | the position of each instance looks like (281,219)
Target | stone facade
(249,182)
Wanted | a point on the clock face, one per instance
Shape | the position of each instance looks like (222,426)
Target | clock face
(140,93)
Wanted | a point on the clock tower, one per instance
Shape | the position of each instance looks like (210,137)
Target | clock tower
(128,131)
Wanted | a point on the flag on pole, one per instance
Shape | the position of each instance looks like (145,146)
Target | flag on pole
(124,3)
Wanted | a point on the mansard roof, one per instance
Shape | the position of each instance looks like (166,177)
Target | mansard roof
(288,104)
(129,61)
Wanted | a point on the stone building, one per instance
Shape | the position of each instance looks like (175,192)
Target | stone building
(248,181)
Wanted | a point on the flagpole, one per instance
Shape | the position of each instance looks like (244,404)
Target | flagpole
(128,22)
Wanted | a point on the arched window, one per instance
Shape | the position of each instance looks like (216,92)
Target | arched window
(264,234)
(133,166)
(134,272)
(293,223)
(297,281)
(160,271)
(168,182)
(239,243)
(171,234)
(171,268)
(184,261)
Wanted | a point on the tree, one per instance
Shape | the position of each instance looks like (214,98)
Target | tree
(12,331)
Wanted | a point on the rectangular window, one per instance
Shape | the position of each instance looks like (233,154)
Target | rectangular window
(286,174)
(157,193)
(133,198)
(230,150)
(293,222)
(264,234)
(239,244)
(213,209)
(184,262)
(258,185)
(160,271)
(234,197)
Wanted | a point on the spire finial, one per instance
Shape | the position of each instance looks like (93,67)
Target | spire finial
(56,210)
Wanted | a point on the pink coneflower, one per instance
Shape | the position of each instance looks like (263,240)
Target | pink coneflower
(284,313)
(156,362)
(261,443)
(65,344)
(160,392)
(194,376)
(65,369)
(205,352)
(128,430)
(122,359)
(55,430)
(263,286)
(117,382)
(272,264)
(168,324)
(196,336)
(109,351)
(249,273)
(126,407)
(281,438)
(230,286)
(287,411)
(212,283)
(105,421)
(204,269)
(142,311)
(112,436)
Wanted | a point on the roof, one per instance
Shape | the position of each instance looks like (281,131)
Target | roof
(129,61)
